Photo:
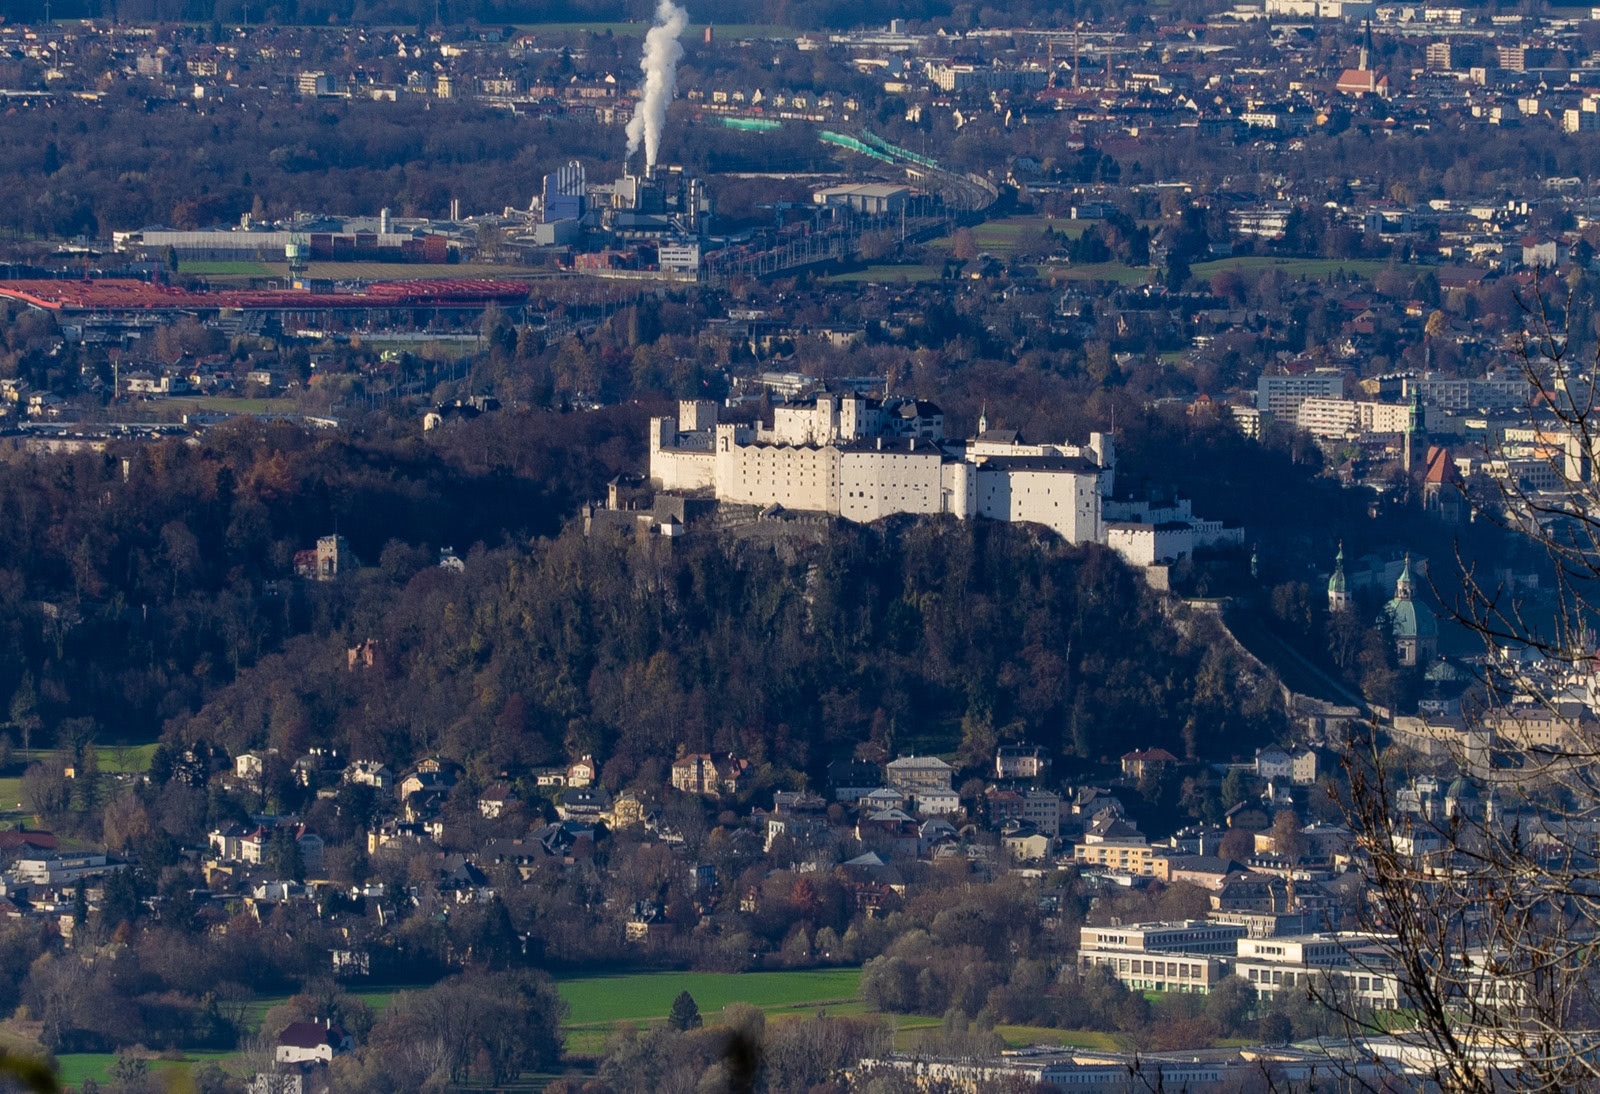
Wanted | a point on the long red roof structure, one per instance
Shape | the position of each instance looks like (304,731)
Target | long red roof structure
(127,295)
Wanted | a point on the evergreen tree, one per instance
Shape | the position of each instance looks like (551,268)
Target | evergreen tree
(685,1013)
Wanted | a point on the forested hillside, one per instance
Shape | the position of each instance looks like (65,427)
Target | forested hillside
(933,636)
(128,596)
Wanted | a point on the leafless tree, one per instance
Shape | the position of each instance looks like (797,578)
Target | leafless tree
(1483,907)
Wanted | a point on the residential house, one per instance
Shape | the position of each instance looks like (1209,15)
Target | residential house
(1039,808)
(371,773)
(851,779)
(1025,843)
(494,801)
(1019,762)
(312,1042)
(1149,762)
(396,834)
(583,773)
(933,802)
(1274,763)
(889,831)
(934,834)
(583,802)
(431,774)
(646,923)
(702,773)
(1117,845)
(248,766)
(912,773)
(880,799)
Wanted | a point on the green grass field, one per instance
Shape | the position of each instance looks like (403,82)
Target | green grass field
(379,999)
(1315,268)
(76,1067)
(212,269)
(599,1003)
(223,404)
(641,997)
(1098,271)
(889,275)
(113,760)
(1001,237)
(10,795)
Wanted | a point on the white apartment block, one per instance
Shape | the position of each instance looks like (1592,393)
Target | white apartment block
(1347,417)
(1281,396)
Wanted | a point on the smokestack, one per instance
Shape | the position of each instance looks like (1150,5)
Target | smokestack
(711,35)
(455,209)
(662,52)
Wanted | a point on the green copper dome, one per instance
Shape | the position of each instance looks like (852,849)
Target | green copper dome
(1405,618)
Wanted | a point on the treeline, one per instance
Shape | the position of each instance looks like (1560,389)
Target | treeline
(130,591)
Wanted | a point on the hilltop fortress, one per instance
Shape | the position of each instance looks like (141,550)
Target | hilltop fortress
(864,459)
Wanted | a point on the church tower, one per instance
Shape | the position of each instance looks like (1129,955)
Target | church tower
(1338,591)
(1413,426)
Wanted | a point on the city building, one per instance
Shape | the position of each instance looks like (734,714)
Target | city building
(1187,956)
(1281,396)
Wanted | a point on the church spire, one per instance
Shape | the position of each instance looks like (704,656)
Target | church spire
(1338,589)
(983,419)
(1402,588)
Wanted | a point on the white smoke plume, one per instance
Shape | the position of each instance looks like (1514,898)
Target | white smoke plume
(662,52)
